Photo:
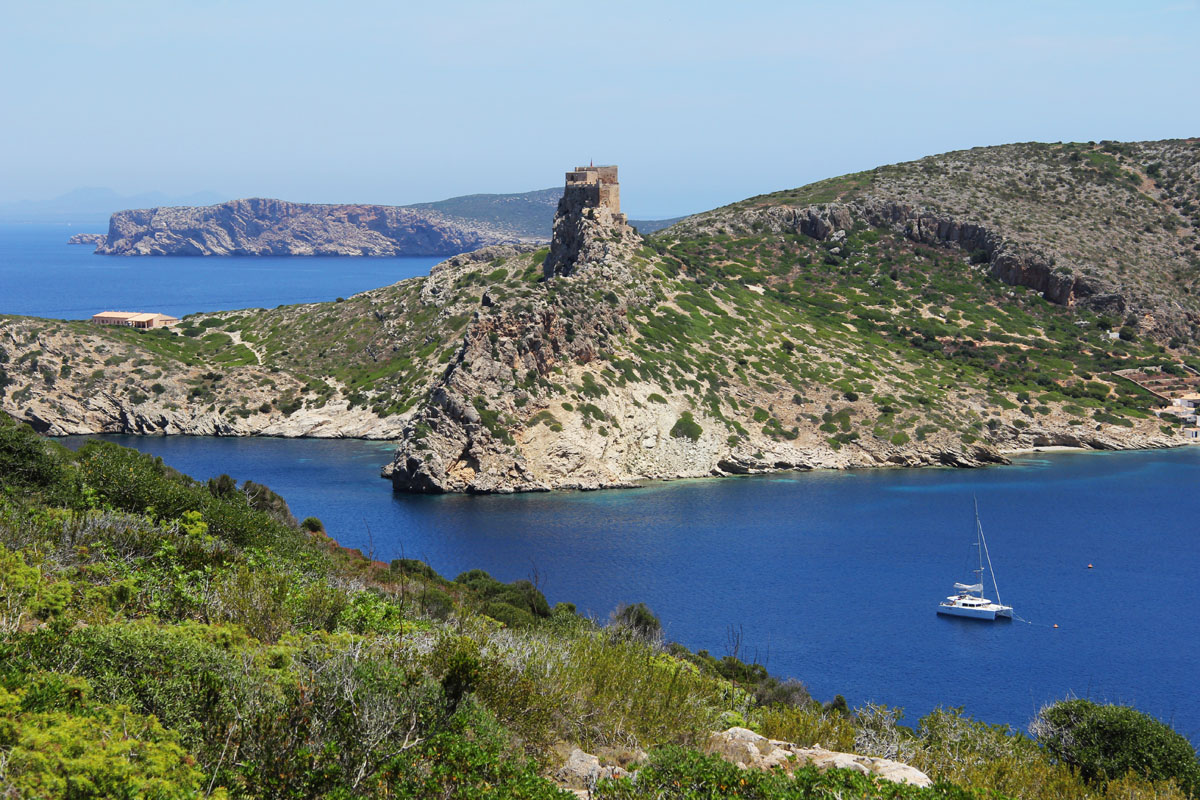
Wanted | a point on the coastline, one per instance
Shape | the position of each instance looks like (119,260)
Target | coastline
(649,481)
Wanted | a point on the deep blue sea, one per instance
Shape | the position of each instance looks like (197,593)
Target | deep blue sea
(829,577)
(42,276)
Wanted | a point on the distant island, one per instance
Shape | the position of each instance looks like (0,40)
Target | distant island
(259,226)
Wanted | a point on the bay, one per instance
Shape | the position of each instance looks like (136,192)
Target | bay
(829,577)
(42,276)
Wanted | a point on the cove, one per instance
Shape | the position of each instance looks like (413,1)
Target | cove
(829,577)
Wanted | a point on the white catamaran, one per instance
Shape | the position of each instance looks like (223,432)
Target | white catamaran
(968,599)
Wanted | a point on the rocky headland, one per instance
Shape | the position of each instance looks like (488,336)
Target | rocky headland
(275,227)
(842,325)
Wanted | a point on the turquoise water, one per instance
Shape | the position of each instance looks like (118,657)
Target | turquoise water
(829,577)
(42,276)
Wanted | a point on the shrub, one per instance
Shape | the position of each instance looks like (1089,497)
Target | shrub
(1107,741)
(516,604)
(27,461)
(686,427)
(110,752)
(807,725)
(637,621)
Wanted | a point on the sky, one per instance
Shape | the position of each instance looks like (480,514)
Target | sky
(699,103)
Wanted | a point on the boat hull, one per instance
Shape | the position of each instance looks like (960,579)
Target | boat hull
(976,613)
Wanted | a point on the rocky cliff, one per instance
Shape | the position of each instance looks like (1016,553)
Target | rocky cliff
(274,227)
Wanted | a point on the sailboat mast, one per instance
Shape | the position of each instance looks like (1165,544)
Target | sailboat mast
(984,552)
(978,547)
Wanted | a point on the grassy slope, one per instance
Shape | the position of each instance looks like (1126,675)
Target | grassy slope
(915,329)
(1125,213)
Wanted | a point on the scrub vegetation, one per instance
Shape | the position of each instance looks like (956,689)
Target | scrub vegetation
(167,638)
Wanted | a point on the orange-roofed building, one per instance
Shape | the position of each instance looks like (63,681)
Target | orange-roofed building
(134,319)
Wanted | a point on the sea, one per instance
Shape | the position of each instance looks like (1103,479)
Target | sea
(42,276)
(829,577)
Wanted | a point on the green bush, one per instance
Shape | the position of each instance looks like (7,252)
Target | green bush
(107,752)
(1107,741)
(686,427)
(28,461)
(516,604)
(638,621)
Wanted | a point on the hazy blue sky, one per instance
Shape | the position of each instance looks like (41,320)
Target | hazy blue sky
(699,103)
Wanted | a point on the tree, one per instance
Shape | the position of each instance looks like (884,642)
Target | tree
(1107,741)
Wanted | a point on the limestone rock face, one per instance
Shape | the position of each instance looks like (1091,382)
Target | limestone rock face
(466,438)
(750,750)
(585,235)
(1113,228)
(260,226)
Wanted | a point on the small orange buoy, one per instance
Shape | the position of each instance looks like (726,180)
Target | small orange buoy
(1089,566)
(1056,624)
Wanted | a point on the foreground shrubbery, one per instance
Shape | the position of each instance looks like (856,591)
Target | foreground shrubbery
(677,774)
(165,638)
(1108,741)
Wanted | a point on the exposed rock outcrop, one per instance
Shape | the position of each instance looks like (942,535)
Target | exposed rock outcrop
(94,239)
(752,751)
(1112,227)
(275,227)
(581,771)
(121,393)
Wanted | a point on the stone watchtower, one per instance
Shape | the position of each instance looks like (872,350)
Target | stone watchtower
(588,220)
(595,187)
